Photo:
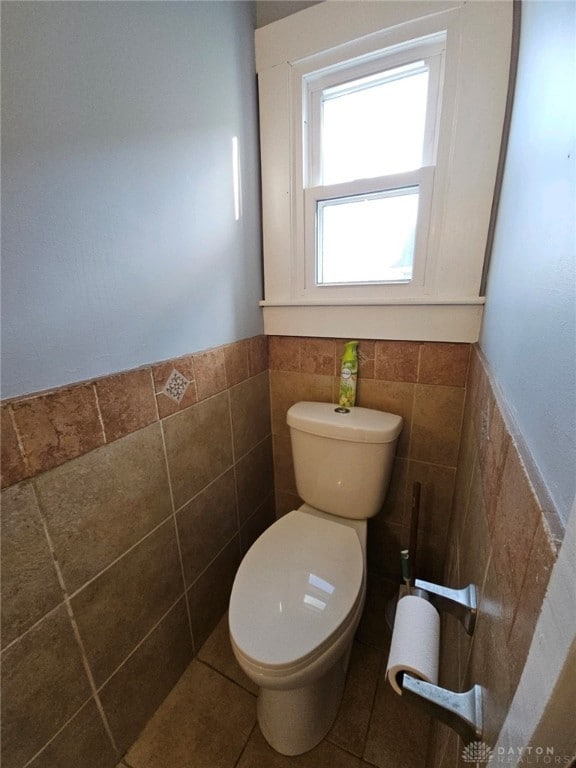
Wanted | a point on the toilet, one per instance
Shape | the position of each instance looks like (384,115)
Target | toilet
(299,592)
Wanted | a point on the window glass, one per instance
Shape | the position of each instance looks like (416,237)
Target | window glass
(374,126)
(367,238)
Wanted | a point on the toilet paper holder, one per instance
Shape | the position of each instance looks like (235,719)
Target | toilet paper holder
(460,711)
(459,602)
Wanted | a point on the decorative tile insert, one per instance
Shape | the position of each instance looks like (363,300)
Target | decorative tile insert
(176,386)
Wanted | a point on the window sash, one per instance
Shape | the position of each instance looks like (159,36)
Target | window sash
(422,178)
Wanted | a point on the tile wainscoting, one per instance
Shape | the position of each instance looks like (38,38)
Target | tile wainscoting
(129,501)
(504,537)
(127,505)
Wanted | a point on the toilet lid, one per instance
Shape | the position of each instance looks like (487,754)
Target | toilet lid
(294,588)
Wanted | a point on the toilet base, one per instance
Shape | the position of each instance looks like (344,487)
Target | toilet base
(296,720)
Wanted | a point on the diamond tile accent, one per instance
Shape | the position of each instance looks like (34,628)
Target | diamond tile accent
(176,386)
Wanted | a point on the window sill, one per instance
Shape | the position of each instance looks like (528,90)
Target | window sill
(409,319)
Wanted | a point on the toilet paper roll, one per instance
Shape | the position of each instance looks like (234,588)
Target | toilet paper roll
(415,642)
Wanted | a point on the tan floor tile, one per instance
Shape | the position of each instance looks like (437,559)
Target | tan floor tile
(217,653)
(351,726)
(398,733)
(259,754)
(204,722)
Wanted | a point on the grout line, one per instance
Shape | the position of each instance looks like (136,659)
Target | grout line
(154,394)
(117,559)
(58,732)
(237,763)
(23,452)
(99,412)
(32,627)
(75,629)
(178,544)
(223,674)
(140,643)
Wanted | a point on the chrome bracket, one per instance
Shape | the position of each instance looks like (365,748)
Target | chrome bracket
(460,711)
(459,602)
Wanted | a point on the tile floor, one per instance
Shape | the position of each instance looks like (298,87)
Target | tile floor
(209,718)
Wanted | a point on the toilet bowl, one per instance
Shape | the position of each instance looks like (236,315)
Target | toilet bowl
(299,592)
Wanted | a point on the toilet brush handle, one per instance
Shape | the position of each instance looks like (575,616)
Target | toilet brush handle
(406,566)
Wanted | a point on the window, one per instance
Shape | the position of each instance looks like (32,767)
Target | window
(380,130)
(370,146)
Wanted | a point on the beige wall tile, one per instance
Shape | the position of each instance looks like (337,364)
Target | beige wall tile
(442,363)
(515,520)
(257,523)
(206,524)
(237,362)
(258,355)
(209,595)
(489,663)
(100,504)
(254,478)
(198,446)
(13,468)
(42,668)
(126,403)
(287,388)
(286,502)
(437,491)
(284,464)
(393,397)
(210,371)
(396,504)
(139,687)
(58,427)
(397,360)
(30,586)
(318,356)
(250,412)
(110,611)
(83,742)
(541,559)
(205,721)
(284,353)
(436,424)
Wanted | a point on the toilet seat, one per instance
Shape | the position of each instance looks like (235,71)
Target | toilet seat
(297,589)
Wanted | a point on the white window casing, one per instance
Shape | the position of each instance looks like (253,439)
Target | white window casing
(467,49)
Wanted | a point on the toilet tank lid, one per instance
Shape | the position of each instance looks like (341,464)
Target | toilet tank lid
(359,425)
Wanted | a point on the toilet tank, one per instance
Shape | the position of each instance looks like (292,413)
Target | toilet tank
(343,457)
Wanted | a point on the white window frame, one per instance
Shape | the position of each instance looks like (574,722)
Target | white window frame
(430,50)
(443,303)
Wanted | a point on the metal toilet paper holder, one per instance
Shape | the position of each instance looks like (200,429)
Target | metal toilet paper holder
(459,602)
(460,711)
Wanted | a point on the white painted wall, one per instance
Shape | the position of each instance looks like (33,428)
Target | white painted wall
(119,244)
(529,331)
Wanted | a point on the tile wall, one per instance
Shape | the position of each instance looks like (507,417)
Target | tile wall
(504,537)
(425,383)
(127,505)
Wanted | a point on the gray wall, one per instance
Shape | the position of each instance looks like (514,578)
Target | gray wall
(529,332)
(120,246)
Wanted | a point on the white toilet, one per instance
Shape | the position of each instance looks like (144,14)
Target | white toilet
(299,592)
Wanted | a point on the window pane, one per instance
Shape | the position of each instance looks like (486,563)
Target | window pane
(374,126)
(367,238)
